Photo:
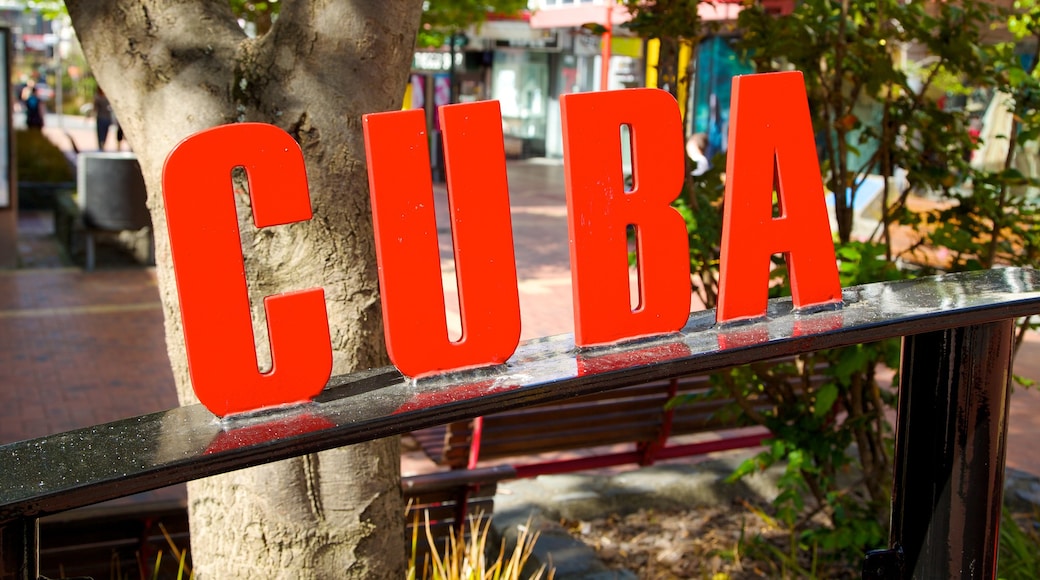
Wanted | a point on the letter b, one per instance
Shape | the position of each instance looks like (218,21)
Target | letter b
(600,211)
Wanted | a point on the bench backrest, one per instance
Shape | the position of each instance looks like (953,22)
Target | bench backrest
(638,414)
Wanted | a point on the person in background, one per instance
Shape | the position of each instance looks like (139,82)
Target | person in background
(103,116)
(696,146)
(119,132)
(34,109)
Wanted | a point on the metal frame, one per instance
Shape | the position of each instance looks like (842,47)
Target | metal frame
(955,365)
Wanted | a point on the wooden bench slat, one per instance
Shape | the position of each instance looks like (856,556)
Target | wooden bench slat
(500,441)
(432,441)
(574,413)
(535,445)
(578,413)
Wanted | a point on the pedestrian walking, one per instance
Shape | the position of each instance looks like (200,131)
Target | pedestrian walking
(34,110)
(103,117)
(696,150)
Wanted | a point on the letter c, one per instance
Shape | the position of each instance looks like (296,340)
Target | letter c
(210,271)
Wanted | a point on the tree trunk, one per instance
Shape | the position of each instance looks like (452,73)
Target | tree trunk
(171,69)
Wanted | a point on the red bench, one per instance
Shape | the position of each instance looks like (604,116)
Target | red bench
(632,425)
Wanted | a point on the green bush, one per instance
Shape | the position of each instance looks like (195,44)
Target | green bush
(871,114)
(38,160)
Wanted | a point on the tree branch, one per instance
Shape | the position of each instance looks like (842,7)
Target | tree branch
(348,45)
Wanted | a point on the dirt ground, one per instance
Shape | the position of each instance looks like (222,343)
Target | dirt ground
(717,543)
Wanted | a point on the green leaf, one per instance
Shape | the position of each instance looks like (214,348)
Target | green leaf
(825,399)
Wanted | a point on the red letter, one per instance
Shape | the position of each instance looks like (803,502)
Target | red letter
(600,211)
(770,128)
(411,289)
(208,264)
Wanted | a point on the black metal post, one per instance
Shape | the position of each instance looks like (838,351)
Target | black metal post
(950,450)
(19,550)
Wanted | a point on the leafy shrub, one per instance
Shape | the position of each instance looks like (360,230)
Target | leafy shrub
(38,160)
(1019,557)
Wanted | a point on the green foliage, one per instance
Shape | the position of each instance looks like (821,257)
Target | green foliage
(38,160)
(999,209)
(260,14)
(817,407)
(48,8)
(1019,555)
(990,221)
(442,19)
(873,114)
(700,204)
(870,114)
(1025,19)
(788,564)
(671,22)
(177,569)
(674,19)
(985,226)
(243,8)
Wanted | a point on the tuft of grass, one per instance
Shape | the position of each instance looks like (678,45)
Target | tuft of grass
(1019,555)
(184,571)
(465,556)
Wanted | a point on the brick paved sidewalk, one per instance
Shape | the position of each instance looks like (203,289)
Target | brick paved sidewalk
(79,349)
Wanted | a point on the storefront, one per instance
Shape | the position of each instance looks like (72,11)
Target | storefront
(434,82)
(520,82)
(716,65)
(526,69)
(588,59)
(504,60)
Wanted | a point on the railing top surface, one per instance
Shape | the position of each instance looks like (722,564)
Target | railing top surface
(77,468)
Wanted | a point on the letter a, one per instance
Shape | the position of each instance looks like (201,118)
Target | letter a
(411,288)
(210,273)
(600,211)
(770,128)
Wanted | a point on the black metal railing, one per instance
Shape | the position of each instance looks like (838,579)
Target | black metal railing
(951,425)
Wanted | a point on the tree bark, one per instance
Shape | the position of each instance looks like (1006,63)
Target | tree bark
(171,69)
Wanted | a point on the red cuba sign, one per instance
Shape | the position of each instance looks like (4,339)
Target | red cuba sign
(770,144)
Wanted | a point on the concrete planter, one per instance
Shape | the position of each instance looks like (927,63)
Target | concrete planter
(112,197)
